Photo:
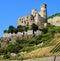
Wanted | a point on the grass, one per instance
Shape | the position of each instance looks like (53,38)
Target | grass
(56,48)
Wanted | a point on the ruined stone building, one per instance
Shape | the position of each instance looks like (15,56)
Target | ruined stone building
(39,18)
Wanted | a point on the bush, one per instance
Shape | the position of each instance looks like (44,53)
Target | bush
(5,31)
(34,27)
(6,56)
(3,51)
(13,48)
(20,28)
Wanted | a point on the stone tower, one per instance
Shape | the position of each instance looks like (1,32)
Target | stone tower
(43,12)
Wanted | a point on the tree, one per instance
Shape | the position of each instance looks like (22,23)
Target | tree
(6,56)
(34,27)
(5,31)
(11,29)
(25,28)
(20,28)
(15,30)
(44,30)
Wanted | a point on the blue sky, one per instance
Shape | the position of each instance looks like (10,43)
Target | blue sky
(10,10)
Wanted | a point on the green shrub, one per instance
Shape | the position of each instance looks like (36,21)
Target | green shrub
(6,56)
(34,27)
(13,48)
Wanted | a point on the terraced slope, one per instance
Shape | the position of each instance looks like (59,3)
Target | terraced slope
(46,51)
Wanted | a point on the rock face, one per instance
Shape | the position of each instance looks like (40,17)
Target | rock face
(54,21)
(39,18)
(6,40)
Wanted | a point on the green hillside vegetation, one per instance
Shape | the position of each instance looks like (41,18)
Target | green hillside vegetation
(29,45)
(57,14)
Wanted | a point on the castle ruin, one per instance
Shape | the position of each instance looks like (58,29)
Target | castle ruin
(39,18)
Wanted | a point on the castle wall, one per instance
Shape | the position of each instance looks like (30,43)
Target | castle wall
(38,32)
(26,21)
(21,34)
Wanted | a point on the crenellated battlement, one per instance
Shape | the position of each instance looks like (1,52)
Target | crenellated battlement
(22,34)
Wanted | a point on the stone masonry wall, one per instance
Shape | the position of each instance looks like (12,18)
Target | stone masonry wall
(21,34)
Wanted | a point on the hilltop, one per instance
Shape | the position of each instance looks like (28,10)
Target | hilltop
(54,15)
(54,19)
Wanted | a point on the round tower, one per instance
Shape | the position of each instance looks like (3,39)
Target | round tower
(44,11)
